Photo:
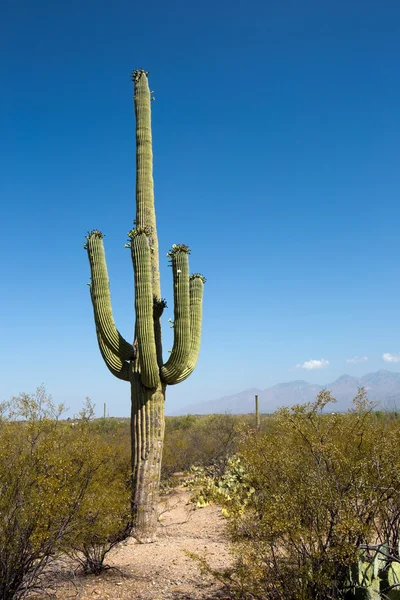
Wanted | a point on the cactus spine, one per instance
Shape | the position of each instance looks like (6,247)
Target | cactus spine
(141,362)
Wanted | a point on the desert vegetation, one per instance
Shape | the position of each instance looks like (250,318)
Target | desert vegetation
(63,491)
(311,498)
(313,505)
(65,483)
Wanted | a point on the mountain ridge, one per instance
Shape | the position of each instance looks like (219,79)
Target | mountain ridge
(382,386)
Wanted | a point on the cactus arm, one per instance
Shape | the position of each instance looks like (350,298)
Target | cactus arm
(145,213)
(196,309)
(119,368)
(101,300)
(141,257)
(181,348)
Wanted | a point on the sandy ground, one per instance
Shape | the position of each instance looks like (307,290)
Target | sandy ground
(158,571)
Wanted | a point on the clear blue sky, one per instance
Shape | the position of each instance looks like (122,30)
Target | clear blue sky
(276,140)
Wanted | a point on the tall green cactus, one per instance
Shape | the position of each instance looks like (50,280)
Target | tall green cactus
(141,362)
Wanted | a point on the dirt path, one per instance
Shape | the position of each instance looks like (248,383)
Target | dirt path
(162,570)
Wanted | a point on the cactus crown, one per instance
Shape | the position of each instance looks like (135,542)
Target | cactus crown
(197,276)
(138,230)
(137,74)
(146,230)
(175,248)
(93,233)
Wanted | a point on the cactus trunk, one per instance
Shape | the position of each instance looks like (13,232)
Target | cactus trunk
(147,436)
(141,362)
(257,413)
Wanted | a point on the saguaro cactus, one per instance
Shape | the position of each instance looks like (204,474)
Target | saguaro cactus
(257,412)
(141,362)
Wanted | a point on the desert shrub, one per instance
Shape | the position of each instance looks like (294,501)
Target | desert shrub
(231,489)
(103,517)
(202,441)
(112,427)
(42,486)
(324,484)
(51,476)
(102,521)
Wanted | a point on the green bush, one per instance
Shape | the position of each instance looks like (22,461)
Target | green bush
(323,485)
(54,478)
(202,441)
(103,517)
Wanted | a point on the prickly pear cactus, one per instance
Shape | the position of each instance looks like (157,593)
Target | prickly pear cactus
(375,579)
(389,575)
(364,580)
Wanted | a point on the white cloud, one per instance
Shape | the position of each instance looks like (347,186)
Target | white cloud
(391,358)
(356,360)
(310,365)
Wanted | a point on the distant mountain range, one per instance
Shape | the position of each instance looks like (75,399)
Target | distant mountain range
(382,387)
